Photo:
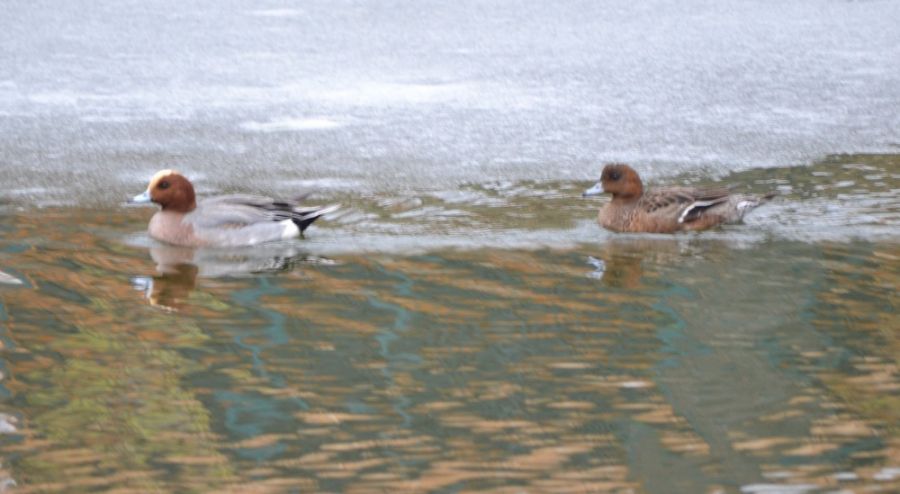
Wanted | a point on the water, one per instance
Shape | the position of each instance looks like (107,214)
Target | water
(441,354)
(394,96)
(461,324)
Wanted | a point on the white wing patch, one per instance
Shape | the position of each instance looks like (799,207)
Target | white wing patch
(692,206)
(315,211)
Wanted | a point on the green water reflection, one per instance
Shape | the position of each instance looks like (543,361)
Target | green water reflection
(670,364)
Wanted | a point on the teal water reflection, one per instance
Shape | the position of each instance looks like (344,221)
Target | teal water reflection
(699,363)
(693,365)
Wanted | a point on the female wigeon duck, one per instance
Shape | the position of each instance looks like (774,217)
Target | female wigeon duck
(221,221)
(665,210)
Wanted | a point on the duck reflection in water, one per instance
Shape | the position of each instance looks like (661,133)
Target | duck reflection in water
(618,265)
(622,261)
(178,268)
(9,279)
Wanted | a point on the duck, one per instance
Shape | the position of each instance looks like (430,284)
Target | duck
(234,220)
(665,210)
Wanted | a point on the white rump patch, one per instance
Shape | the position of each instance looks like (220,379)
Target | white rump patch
(290,230)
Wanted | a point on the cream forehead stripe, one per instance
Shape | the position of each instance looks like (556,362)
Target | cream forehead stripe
(159,176)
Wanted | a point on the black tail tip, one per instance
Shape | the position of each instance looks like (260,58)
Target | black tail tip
(303,223)
(304,218)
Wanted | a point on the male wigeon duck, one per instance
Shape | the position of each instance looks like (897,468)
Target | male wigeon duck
(665,210)
(221,221)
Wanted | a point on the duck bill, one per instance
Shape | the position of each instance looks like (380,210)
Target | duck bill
(141,198)
(596,190)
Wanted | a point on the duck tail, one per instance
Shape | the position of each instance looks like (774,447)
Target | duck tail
(747,203)
(303,217)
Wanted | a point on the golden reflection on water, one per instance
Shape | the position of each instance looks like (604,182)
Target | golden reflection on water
(680,364)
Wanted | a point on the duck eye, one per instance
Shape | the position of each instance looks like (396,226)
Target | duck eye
(614,175)
(163,185)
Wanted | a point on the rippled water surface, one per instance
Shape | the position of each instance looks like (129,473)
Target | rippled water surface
(511,346)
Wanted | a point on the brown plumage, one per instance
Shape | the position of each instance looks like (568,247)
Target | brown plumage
(665,210)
